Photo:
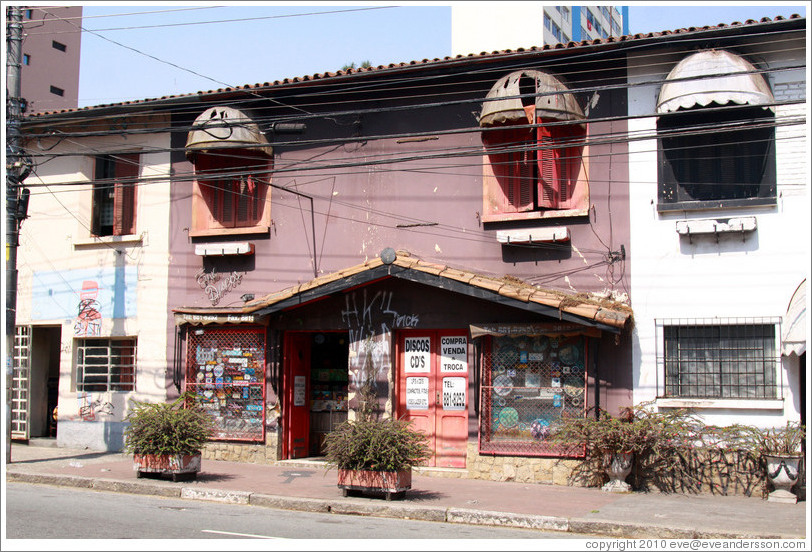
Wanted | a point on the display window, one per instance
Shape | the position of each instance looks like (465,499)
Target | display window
(528,383)
(226,374)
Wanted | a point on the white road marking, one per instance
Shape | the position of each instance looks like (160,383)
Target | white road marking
(239,534)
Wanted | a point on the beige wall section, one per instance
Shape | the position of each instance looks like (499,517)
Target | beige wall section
(57,237)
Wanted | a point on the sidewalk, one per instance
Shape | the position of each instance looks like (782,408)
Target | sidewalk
(308,486)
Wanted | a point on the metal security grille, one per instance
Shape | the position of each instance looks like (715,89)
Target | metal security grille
(105,364)
(20,382)
(225,370)
(719,358)
(530,382)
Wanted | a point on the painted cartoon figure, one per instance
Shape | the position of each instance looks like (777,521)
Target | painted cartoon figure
(88,320)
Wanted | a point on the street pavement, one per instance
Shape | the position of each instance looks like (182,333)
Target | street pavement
(310,486)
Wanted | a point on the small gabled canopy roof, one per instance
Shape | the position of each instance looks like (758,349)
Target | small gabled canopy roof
(554,100)
(508,291)
(225,127)
(691,82)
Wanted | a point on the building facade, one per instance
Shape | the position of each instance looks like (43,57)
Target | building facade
(455,242)
(51,49)
(719,225)
(481,27)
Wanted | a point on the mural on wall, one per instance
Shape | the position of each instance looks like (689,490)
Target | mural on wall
(89,319)
(86,295)
(370,319)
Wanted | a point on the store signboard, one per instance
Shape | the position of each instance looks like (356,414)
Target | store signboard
(418,354)
(417,393)
(454,353)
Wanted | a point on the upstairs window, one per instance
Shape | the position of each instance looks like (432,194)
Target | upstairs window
(232,162)
(233,186)
(114,194)
(58,46)
(716,135)
(534,141)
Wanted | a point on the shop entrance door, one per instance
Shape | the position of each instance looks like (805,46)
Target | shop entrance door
(433,391)
(296,410)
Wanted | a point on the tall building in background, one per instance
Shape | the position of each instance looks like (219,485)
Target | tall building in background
(50,63)
(491,26)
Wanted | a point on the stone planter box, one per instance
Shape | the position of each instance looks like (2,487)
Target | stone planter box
(391,483)
(178,466)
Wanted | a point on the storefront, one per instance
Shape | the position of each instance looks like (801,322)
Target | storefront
(487,376)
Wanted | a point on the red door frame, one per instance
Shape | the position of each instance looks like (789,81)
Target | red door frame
(444,421)
(296,393)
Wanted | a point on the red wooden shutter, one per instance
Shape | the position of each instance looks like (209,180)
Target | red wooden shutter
(126,185)
(551,175)
(521,178)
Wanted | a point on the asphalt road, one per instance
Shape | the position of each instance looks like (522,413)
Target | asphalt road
(46,512)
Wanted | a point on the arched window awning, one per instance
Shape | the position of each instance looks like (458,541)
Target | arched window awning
(692,83)
(554,100)
(225,127)
(793,328)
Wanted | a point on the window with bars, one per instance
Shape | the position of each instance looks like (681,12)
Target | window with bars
(736,359)
(717,158)
(106,364)
(233,190)
(114,194)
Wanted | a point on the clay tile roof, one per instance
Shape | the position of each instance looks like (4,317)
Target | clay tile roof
(602,311)
(546,47)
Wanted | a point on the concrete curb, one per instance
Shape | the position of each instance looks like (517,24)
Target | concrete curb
(598,528)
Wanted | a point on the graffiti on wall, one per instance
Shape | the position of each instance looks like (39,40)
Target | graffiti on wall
(89,318)
(215,285)
(90,409)
(370,319)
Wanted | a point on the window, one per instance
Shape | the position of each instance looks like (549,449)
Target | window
(557,32)
(56,90)
(114,195)
(529,382)
(29,14)
(58,46)
(716,135)
(232,161)
(106,364)
(26,59)
(731,360)
(547,21)
(233,185)
(534,163)
(717,157)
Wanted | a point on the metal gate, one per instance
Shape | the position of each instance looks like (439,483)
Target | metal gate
(21,383)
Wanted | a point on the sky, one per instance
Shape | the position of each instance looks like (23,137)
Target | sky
(276,40)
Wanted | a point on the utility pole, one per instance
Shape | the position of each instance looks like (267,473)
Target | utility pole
(17,169)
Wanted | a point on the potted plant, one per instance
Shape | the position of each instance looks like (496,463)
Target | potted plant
(614,442)
(167,438)
(782,450)
(376,455)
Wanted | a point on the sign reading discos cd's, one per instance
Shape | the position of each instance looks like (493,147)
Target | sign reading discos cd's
(417,352)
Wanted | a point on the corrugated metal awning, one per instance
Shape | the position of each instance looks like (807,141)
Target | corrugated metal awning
(221,127)
(793,340)
(554,101)
(691,83)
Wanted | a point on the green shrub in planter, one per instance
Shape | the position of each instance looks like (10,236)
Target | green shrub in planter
(167,428)
(376,445)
